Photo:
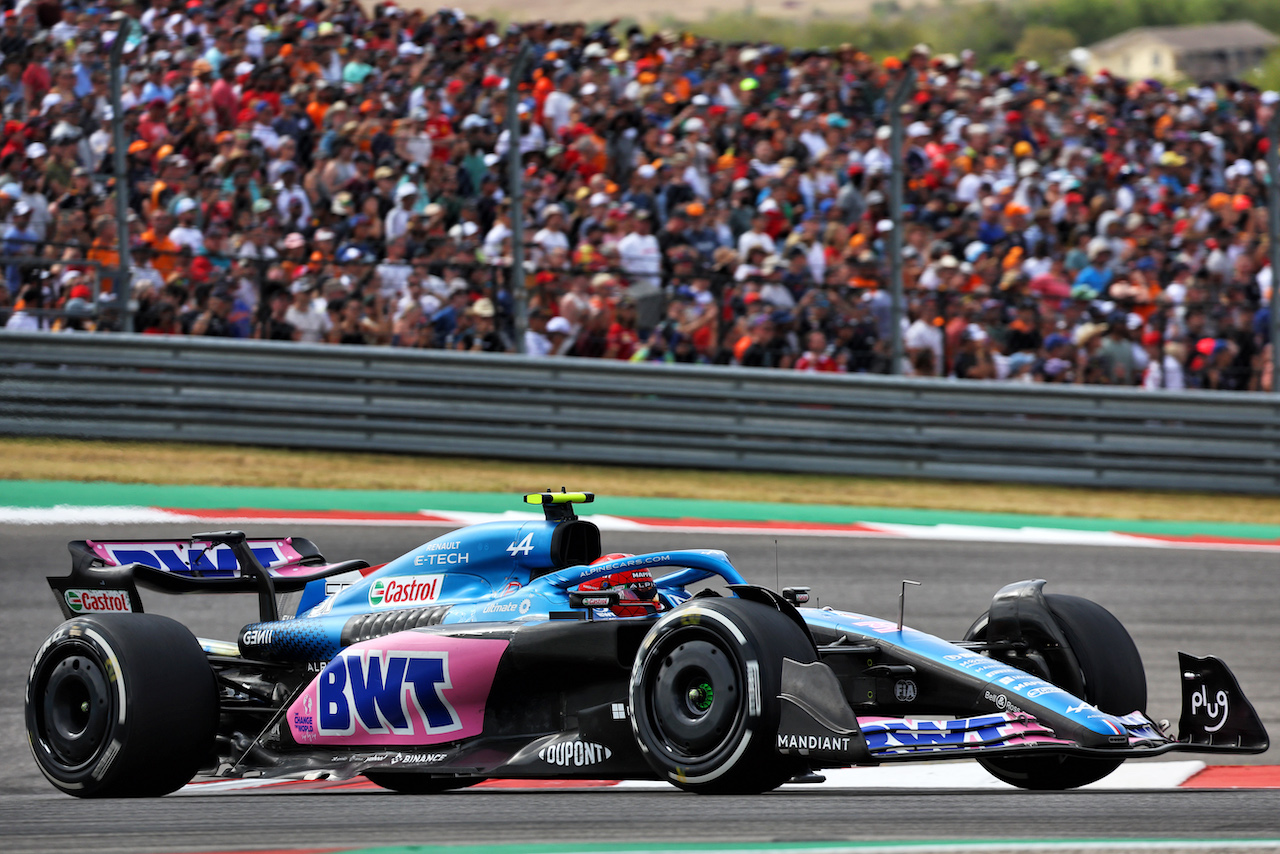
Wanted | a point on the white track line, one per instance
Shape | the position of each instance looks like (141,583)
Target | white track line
(68,514)
(129,515)
(961,774)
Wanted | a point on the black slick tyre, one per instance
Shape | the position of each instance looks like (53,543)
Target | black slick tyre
(121,705)
(1114,681)
(704,695)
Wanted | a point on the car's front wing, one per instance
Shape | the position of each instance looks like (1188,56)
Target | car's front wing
(817,723)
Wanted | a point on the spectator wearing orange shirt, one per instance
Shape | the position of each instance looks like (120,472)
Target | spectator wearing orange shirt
(163,249)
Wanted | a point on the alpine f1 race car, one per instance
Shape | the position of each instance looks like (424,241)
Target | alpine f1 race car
(515,649)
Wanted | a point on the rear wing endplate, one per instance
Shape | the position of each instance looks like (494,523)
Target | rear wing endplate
(215,562)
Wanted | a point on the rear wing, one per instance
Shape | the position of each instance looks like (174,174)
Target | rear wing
(105,574)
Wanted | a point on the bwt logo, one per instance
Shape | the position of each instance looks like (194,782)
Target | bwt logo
(407,590)
(217,562)
(98,602)
(397,693)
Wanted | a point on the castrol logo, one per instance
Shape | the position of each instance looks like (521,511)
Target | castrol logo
(98,601)
(405,591)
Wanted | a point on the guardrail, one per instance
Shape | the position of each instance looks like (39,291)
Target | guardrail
(591,411)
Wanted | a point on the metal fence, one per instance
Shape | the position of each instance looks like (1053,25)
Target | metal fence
(591,411)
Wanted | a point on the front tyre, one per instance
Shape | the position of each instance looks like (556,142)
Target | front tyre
(704,695)
(1114,681)
(121,705)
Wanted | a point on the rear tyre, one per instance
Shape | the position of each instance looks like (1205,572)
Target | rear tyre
(704,695)
(1114,681)
(419,784)
(121,705)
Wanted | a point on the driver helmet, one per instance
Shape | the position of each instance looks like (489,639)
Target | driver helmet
(635,585)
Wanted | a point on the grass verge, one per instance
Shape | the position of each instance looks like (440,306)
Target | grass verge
(216,465)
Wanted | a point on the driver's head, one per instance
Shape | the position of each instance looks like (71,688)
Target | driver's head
(635,585)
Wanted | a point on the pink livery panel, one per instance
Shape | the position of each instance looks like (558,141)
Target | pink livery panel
(404,689)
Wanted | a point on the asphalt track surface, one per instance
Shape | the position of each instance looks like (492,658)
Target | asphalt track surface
(1218,602)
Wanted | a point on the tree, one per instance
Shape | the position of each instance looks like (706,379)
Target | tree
(1267,76)
(1046,45)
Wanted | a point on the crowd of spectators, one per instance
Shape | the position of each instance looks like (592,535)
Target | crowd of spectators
(304,170)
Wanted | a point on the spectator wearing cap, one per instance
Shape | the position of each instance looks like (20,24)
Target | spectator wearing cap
(19,239)
(275,326)
(551,237)
(760,347)
(359,319)
(533,139)
(256,245)
(1097,274)
(304,315)
(1090,365)
(80,195)
(757,235)
(1023,333)
(849,199)
(261,128)
(924,336)
(216,249)
(63,161)
(213,313)
(32,182)
(292,204)
(449,319)
(1164,371)
(156,88)
(975,360)
(640,194)
(701,233)
(640,254)
(410,328)
(536,341)
(1117,355)
(185,233)
(559,333)
(557,108)
(479,334)
(878,160)
(1059,362)
(773,132)
(674,235)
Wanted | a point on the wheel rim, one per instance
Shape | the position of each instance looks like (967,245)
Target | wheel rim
(74,709)
(695,700)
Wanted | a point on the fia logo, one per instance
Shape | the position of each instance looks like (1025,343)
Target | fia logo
(1200,702)
(904,691)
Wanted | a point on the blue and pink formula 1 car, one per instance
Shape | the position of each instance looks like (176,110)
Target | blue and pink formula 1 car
(516,649)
